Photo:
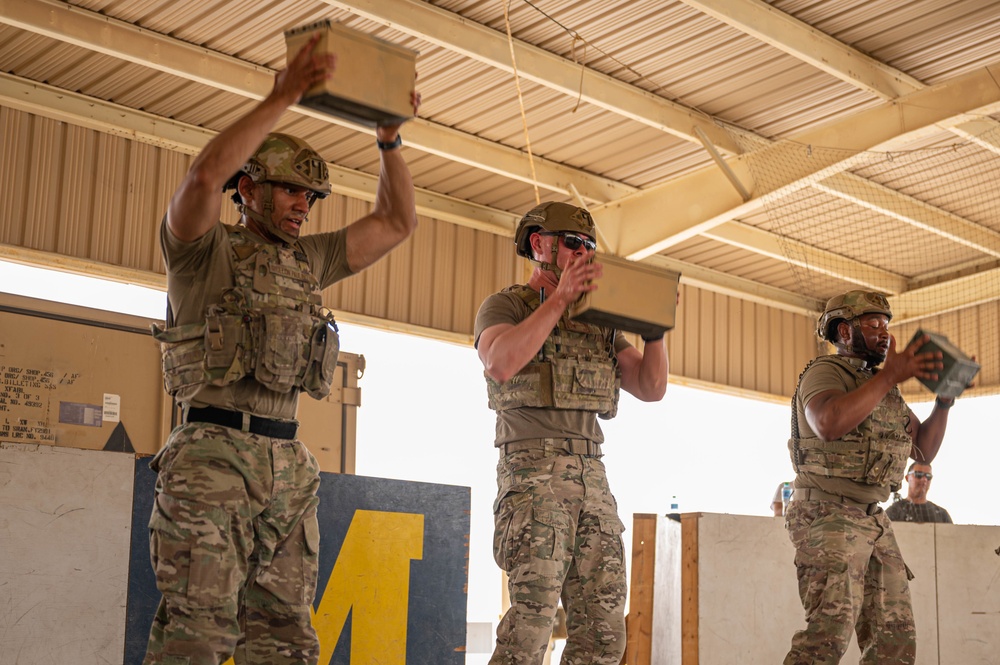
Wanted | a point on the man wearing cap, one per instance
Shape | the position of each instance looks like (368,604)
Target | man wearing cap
(549,378)
(915,507)
(851,436)
(234,536)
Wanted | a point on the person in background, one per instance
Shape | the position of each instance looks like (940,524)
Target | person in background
(915,507)
(782,495)
(234,534)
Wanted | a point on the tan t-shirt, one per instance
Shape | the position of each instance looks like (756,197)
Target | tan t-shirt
(197,274)
(529,422)
(817,379)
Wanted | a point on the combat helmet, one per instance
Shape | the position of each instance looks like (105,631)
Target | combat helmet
(283,159)
(849,306)
(551,217)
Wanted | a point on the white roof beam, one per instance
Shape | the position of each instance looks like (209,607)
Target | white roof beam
(453,32)
(764,242)
(983,132)
(659,217)
(787,33)
(914,212)
(119,39)
(949,296)
(738,287)
(800,40)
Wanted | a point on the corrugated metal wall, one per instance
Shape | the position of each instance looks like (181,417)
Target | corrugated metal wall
(98,197)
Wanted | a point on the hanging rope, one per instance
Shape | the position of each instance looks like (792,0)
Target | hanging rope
(520,99)
(579,96)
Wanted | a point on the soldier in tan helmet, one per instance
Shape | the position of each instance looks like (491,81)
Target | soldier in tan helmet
(851,436)
(234,536)
(558,534)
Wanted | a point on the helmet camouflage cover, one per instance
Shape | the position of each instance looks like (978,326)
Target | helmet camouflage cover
(848,306)
(552,217)
(286,159)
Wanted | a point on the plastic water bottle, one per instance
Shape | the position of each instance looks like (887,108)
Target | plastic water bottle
(786,496)
(674,505)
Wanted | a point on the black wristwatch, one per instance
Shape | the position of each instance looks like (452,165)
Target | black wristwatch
(390,146)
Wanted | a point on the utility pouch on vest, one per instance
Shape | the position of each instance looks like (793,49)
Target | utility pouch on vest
(587,385)
(532,387)
(324,346)
(224,345)
(887,463)
(282,340)
(183,355)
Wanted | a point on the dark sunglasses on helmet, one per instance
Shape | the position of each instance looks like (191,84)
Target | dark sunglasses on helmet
(573,241)
(922,474)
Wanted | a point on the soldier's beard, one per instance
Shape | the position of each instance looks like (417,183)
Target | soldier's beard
(859,346)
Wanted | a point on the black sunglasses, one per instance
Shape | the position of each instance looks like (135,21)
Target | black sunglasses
(922,474)
(573,241)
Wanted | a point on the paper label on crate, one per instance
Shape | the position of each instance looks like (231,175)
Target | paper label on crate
(112,407)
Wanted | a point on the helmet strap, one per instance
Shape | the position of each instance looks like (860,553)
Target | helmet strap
(267,219)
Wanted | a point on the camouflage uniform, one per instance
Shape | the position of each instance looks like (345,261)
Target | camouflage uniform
(557,531)
(905,510)
(234,536)
(234,542)
(851,574)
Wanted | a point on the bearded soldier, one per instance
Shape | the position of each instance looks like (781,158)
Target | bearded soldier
(851,436)
(558,534)
(234,535)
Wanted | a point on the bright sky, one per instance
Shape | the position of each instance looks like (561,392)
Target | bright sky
(424,417)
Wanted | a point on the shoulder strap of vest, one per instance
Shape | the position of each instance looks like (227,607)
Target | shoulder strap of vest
(530,297)
(241,245)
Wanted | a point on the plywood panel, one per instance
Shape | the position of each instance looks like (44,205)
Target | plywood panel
(968,602)
(735,595)
(65,531)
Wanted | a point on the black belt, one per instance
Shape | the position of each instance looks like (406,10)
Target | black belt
(277,429)
(819,495)
(584,447)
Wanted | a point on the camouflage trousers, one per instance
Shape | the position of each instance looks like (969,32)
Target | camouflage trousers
(558,536)
(851,578)
(234,542)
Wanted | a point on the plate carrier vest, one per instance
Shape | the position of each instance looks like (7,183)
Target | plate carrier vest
(576,368)
(874,453)
(270,325)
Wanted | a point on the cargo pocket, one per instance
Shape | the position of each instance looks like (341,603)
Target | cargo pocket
(310,558)
(191,552)
(548,529)
(815,581)
(512,521)
(612,529)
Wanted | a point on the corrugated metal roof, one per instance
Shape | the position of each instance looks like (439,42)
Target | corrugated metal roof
(655,70)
